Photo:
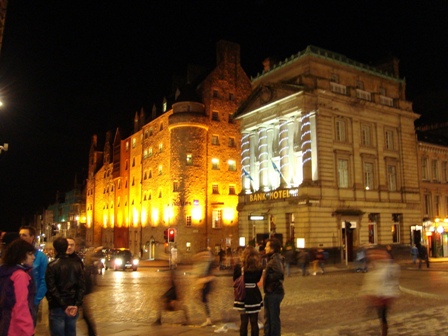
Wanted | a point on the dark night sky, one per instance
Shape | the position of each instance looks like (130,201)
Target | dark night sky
(70,69)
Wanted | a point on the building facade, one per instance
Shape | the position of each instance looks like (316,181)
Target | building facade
(180,170)
(328,155)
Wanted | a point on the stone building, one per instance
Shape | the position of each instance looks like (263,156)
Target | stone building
(329,154)
(179,170)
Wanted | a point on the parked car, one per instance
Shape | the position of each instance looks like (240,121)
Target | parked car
(120,259)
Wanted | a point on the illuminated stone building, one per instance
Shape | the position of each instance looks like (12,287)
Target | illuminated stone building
(328,142)
(433,176)
(179,170)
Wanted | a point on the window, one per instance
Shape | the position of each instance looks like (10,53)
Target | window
(161,127)
(232,190)
(149,196)
(386,101)
(382,91)
(389,138)
(437,205)
(215,164)
(126,165)
(215,94)
(134,142)
(215,140)
(215,189)
(160,148)
(395,228)
(133,181)
(188,221)
(151,131)
(425,173)
(428,205)
(341,130)
(160,170)
(342,173)
(435,170)
(133,162)
(360,84)
(334,78)
(361,94)
(146,134)
(366,135)
(232,142)
(338,88)
(215,116)
(176,186)
(232,165)
(119,184)
(444,172)
(231,96)
(150,174)
(150,152)
(217,219)
(127,146)
(392,178)
(368,176)
(189,160)
(145,153)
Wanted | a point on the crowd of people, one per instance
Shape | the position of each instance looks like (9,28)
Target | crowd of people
(26,277)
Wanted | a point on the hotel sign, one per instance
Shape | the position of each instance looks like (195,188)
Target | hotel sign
(274,195)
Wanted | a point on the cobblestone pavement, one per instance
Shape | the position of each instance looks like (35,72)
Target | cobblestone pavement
(126,303)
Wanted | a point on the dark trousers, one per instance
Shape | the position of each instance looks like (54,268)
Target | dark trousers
(272,326)
(423,259)
(253,318)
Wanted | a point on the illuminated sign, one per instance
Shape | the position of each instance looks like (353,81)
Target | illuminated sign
(273,195)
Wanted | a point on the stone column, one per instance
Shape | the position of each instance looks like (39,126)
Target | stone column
(263,157)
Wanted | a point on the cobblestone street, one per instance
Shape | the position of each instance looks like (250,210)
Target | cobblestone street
(329,304)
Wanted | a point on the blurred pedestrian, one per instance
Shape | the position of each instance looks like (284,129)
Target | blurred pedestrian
(389,250)
(414,253)
(251,306)
(361,260)
(381,285)
(289,259)
(204,263)
(28,233)
(66,287)
(273,288)
(303,261)
(17,289)
(422,255)
(90,272)
(319,260)
(169,301)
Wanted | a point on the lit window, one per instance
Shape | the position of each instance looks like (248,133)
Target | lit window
(150,152)
(189,160)
(215,140)
(232,165)
(127,146)
(343,173)
(217,219)
(160,193)
(176,186)
(340,130)
(368,175)
(160,148)
(215,189)
(161,127)
(150,174)
(160,170)
(366,137)
(215,164)
(188,221)
(145,153)
(151,131)
(134,142)
(395,228)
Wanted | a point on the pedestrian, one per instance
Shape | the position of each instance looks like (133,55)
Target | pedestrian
(289,259)
(251,306)
(169,301)
(204,261)
(66,287)
(361,260)
(422,255)
(303,260)
(28,233)
(414,253)
(381,285)
(389,250)
(273,288)
(319,260)
(17,289)
(90,272)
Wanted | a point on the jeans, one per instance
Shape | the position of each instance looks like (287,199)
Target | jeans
(272,326)
(61,324)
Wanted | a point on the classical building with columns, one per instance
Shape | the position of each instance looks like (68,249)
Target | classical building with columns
(328,154)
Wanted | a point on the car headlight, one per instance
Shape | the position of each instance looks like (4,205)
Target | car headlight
(135,262)
(118,262)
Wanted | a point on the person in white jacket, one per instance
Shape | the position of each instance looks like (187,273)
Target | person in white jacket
(381,284)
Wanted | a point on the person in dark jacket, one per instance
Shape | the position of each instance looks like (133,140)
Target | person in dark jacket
(65,290)
(251,306)
(273,288)
(422,255)
(17,290)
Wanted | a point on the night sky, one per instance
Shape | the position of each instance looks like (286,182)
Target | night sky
(71,69)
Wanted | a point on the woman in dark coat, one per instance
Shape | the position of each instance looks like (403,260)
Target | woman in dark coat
(251,306)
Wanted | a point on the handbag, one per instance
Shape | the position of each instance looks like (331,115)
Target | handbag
(239,287)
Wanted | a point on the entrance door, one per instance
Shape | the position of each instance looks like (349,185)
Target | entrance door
(349,245)
(152,249)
